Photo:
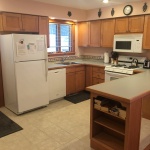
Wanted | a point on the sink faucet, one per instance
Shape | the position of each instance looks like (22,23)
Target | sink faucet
(64,57)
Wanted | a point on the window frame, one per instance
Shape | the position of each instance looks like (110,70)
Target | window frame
(72,52)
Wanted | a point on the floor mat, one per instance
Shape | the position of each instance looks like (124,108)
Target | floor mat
(7,126)
(79,97)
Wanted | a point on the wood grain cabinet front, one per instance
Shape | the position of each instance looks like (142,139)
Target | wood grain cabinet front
(10,22)
(18,22)
(133,24)
(94,33)
(98,75)
(75,79)
(44,27)
(146,35)
(30,23)
(83,34)
(107,32)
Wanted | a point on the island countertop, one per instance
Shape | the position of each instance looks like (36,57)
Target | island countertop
(125,89)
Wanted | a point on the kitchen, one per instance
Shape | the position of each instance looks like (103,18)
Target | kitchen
(79,15)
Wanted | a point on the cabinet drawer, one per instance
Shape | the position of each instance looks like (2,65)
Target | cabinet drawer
(70,69)
(80,68)
(98,75)
(97,81)
(98,69)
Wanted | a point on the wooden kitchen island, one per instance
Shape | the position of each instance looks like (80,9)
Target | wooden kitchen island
(112,132)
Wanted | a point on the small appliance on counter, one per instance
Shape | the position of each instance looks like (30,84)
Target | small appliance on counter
(134,62)
(146,64)
(106,57)
(114,58)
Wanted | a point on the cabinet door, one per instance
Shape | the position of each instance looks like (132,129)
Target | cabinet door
(136,24)
(11,22)
(44,27)
(121,25)
(83,35)
(94,35)
(1,87)
(1,23)
(88,75)
(70,83)
(80,81)
(107,32)
(30,23)
(146,36)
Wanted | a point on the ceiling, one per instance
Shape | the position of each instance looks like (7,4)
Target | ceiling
(85,4)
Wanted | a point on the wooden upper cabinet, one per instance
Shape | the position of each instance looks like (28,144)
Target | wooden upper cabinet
(129,24)
(121,25)
(136,24)
(18,22)
(1,26)
(146,35)
(83,34)
(94,33)
(30,23)
(11,22)
(107,32)
(44,27)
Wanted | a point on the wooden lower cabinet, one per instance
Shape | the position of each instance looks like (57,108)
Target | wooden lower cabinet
(75,79)
(88,75)
(146,107)
(1,87)
(98,75)
(109,131)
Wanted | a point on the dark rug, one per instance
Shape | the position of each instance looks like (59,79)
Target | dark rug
(78,97)
(7,126)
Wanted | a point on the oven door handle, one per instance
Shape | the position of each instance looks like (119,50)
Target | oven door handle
(116,74)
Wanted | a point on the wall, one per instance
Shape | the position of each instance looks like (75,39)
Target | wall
(38,8)
(60,12)
(106,13)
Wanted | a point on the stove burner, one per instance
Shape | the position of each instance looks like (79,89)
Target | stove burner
(132,67)
(119,65)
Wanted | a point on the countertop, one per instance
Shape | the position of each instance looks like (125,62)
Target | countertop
(127,89)
(56,65)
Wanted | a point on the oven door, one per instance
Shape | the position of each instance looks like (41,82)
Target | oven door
(109,76)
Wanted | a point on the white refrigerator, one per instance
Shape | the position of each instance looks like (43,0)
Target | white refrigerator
(24,71)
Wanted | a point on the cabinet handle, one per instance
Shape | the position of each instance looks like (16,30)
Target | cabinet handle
(56,72)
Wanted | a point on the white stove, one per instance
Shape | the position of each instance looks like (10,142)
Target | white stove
(120,69)
(123,68)
(124,65)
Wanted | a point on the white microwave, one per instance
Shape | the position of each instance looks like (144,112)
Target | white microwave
(131,43)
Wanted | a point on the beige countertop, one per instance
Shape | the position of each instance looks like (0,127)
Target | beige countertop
(55,65)
(127,89)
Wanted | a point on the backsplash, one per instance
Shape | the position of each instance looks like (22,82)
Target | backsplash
(52,59)
(59,58)
(91,57)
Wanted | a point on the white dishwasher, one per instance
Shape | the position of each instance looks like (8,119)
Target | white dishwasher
(57,83)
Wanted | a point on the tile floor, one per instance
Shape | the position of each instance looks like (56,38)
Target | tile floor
(61,125)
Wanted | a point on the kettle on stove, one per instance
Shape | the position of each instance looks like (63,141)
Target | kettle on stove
(134,62)
(146,64)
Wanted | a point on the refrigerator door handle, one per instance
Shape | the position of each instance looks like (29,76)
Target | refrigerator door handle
(46,69)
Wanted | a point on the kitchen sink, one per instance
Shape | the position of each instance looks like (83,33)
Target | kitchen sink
(68,63)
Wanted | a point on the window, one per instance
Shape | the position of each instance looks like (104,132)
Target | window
(61,36)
